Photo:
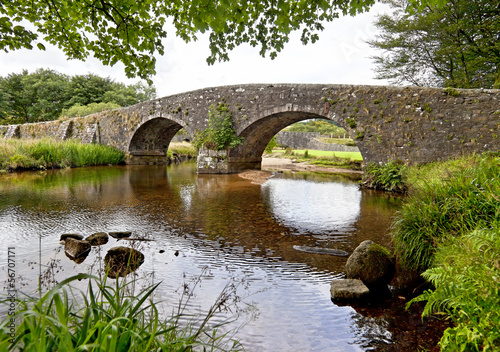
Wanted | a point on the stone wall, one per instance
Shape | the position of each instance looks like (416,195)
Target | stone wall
(411,124)
(212,162)
(309,140)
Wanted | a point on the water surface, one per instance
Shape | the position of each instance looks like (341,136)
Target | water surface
(205,232)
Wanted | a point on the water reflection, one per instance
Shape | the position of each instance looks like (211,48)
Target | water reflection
(220,227)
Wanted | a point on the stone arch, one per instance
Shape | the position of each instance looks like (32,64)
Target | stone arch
(258,134)
(153,137)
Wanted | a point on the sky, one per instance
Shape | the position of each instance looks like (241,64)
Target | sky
(341,56)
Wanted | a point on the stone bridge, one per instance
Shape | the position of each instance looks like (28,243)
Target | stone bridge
(411,124)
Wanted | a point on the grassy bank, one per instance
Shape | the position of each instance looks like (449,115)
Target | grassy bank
(449,230)
(18,154)
(351,160)
(111,316)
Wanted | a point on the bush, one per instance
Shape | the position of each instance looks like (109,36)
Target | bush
(388,177)
(79,110)
(220,133)
(271,145)
(466,278)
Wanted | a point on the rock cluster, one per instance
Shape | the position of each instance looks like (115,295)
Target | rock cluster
(119,261)
(369,270)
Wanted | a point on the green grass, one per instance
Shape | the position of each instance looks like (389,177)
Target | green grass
(324,153)
(30,154)
(446,199)
(182,149)
(449,229)
(108,318)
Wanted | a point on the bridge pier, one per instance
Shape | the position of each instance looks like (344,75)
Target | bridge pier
(148,158)
(218,162)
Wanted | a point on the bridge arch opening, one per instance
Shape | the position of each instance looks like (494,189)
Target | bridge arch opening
(257,136)
(150,141)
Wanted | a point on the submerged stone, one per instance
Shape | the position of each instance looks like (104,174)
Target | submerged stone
(371,263)
(71,235)
(348,289)
(76,248)
(121,261)
(321,250)
(97,239)
(120,234)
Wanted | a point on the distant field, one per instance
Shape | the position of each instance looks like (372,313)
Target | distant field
(317,153)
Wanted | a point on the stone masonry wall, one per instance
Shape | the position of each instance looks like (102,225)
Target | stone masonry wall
(415,125)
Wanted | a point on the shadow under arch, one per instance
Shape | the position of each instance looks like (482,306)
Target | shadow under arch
(151,140)
(258,134)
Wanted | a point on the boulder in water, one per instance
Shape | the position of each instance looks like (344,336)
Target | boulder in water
(371,263)
(76,248)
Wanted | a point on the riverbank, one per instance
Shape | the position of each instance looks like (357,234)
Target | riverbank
(286,164)
(41,154)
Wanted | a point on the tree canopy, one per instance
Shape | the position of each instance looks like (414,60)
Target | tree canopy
(131,31)
(44,94)
(455,45)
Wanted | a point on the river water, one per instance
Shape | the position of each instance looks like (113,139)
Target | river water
(205,232)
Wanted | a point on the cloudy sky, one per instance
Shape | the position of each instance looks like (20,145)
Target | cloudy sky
(341,56)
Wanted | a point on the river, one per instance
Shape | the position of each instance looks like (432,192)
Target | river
(213,230)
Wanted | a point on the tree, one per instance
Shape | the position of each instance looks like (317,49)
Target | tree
(131,31)
(456,45)
(44,94)
(34,97)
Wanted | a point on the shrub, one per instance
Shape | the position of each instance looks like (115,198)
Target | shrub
(84,110)
(271,145)
(387,177)
(220,133)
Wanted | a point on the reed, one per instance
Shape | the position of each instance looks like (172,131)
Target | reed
(26,154)
(107,317)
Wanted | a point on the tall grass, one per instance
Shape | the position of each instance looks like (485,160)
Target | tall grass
(108,318)
(449,229)
(183,149)
(447,199)
(47,153)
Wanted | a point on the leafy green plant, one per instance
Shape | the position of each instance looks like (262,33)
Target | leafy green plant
(107,317)
(388,177)
(273,143)
(79,110)
(220,133)
(466,277)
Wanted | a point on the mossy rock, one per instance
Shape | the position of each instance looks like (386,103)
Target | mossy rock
(121,261)
(371,263)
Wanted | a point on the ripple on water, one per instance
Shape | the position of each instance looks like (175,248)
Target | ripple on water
(212,234)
